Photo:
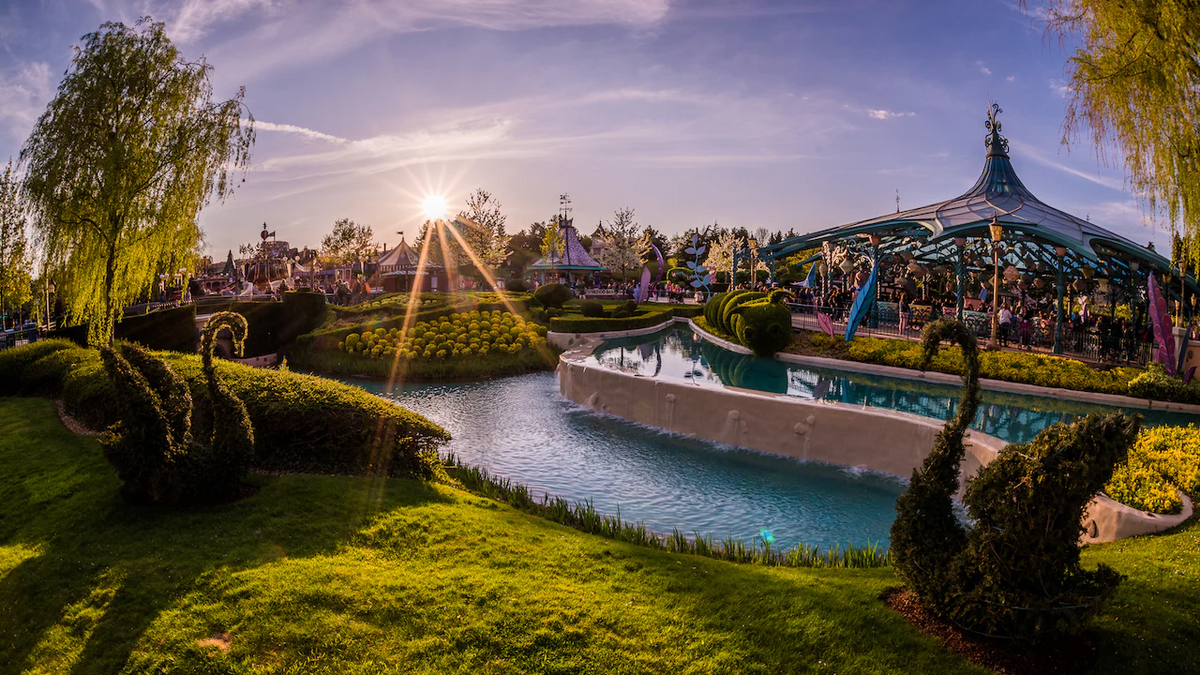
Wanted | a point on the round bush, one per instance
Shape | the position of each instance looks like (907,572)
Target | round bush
(591,308)
(552,295)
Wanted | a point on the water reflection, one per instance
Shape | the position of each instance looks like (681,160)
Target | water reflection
(678,354)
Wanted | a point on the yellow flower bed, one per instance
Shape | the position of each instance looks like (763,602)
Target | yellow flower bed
(1163,460)
(451,337)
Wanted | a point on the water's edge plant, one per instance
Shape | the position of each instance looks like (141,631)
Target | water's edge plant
(584,517)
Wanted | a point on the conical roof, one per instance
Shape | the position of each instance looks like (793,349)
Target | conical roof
(574,258)
(997,195)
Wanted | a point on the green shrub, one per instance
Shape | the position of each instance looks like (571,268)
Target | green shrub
(516,285)
(301,423)
(14,361)
(1015,572)
(173,329)
(729,315)
(552,295)
(453,336)
(712,309)
(1154,383)
(45,376)
(631,307)
(1020,574)
(1162,461)
(591,309)
(647,316)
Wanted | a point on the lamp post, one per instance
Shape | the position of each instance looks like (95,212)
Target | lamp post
(753,261)
(1182,289)
(1061,252)
(997,231)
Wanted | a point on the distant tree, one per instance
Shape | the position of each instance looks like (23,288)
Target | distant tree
(348,243)
(487,238)
(720,253)
(762,235)
(553,245)
(622,248)
(120,164)
(15,262)
(653,236)
(1134,84)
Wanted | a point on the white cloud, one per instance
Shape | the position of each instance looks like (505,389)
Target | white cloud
(24,94)
(1011,78)
(1034,154)
(261,125)
(983,67)
(888,114)
(194,17)
(1060,87)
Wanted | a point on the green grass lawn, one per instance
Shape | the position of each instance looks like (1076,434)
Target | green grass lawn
(349,575)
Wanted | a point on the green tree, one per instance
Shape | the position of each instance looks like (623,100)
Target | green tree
(553,244)
(1134,82)
(484,232)
(348,243)
(120,164)
(14,246)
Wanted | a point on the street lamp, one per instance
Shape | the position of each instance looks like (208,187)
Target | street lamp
(753,261)
(997,231)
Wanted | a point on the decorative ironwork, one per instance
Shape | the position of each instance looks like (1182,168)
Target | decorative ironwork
(995,142)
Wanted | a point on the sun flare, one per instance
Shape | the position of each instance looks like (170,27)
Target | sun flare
(435,207)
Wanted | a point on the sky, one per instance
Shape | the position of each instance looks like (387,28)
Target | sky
(749,113)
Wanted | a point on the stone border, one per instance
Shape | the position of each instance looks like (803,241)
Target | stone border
(943,378)
(835,433)
(568,340)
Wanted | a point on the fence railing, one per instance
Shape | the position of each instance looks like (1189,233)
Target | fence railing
(885,320)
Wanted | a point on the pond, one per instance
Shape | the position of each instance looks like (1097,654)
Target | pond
(521,428)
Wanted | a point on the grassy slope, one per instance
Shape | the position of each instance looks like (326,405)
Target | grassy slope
(327,574)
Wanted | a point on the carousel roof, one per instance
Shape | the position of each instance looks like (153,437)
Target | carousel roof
(402,259)
(574,258)
(1032,229)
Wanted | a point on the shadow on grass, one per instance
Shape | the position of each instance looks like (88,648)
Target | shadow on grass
(103,569)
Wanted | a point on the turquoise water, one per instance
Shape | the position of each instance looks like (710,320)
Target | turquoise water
(521,428)
(678,354)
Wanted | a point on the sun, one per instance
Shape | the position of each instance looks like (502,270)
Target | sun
(435,207)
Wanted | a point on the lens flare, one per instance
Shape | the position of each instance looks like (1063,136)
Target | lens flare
(435,207)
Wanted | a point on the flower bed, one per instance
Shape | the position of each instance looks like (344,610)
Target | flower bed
(1161,462)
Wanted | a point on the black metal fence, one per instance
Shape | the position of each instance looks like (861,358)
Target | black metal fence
(885,320)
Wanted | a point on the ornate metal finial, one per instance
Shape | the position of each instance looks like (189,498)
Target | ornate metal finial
(995,143)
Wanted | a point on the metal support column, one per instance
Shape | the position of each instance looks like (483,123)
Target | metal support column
(959,286)
(1058,305)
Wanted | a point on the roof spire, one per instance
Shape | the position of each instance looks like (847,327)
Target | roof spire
(997,145)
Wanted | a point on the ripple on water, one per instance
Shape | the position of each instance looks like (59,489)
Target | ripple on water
(521,428)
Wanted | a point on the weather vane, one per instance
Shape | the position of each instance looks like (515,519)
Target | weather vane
(564,208)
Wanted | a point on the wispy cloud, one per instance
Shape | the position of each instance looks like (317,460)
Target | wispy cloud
(982,66)
(1060,87)
(1036,155)
(262,125)
(888,114)
(1011,78)
(24,93)
(193,18)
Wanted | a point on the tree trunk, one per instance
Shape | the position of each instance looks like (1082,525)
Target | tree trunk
(109,273)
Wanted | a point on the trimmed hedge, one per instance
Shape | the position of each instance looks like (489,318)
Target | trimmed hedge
(276,324)
(15,360)
(646,317)
(173,329)
(302,423)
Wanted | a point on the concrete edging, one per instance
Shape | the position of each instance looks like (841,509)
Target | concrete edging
(955,380)
(835,433)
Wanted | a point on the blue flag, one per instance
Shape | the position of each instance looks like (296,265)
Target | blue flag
(862,303)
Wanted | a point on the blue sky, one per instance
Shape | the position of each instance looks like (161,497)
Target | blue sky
(782,115)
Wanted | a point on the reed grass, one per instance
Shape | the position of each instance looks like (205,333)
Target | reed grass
(584,517)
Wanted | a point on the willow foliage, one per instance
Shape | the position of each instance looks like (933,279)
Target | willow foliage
(122,161)
(1135,86)
(15,288)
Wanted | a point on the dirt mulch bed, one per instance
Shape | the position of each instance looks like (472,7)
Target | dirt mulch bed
(73,424)
(1069,655)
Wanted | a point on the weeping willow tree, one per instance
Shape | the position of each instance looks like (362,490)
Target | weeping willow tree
(120,164)
(1134,79)
(15,289)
